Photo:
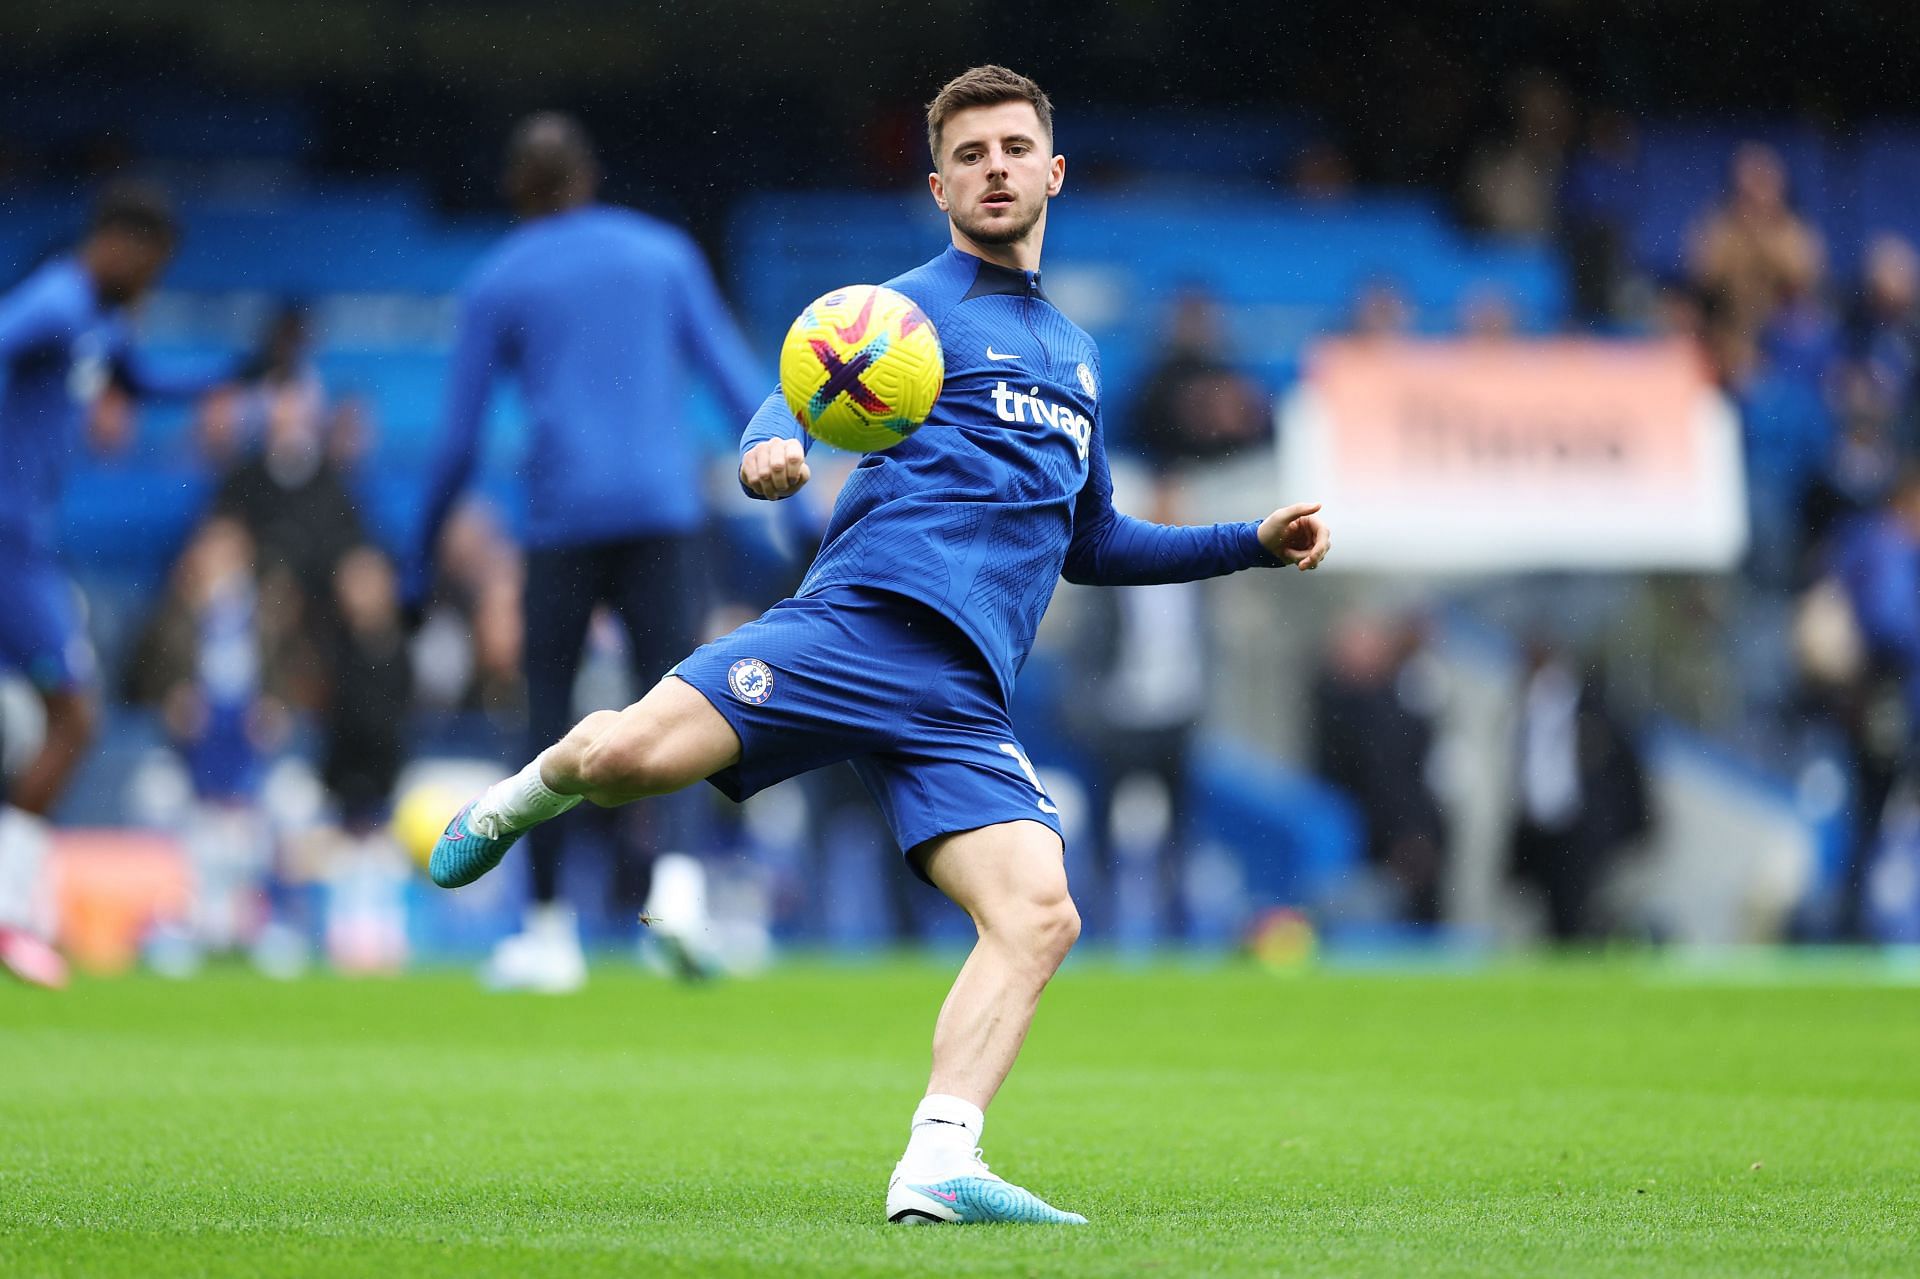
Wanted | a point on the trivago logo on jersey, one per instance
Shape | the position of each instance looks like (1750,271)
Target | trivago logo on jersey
(1016,406)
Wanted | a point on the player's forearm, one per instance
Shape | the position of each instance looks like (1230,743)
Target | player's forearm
(1123,551)
(771,422)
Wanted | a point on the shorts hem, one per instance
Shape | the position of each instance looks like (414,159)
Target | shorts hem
(729,781)
(940,830)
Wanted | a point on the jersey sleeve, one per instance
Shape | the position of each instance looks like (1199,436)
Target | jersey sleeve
(712,340)
(1111,549)
(31,318)
(479,348)
(772,421)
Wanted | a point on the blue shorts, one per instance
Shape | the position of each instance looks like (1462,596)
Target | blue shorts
(886,683)
(43,635)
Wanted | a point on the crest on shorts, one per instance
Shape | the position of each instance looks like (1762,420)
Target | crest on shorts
(751,680)
(1085,375)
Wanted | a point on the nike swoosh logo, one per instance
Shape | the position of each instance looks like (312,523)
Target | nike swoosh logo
(995,355)
(939,1194)
(453,831)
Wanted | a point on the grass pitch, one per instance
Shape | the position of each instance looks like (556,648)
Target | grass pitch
(1611,1119)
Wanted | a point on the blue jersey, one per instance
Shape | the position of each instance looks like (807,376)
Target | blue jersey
(1005,488)
(599,314)
(59,345)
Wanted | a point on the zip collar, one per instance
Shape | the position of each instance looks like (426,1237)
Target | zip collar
(991,278)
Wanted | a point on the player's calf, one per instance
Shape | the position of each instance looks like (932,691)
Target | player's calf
(72,717)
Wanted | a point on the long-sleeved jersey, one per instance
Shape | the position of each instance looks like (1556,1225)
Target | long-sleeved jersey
(59,345)
(599,314)
(1005,488)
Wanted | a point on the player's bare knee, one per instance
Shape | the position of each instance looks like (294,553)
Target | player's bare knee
(1038,929)
(589,730)
(610,769)
(1058,928)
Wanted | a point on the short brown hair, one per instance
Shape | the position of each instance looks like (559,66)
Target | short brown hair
(984,87)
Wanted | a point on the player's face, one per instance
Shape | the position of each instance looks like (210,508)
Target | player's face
(129,264)
(996,172)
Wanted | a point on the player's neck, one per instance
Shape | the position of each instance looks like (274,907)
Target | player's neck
(1021,255)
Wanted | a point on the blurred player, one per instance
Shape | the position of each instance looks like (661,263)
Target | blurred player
(63,340)
(600,314)
(901,648)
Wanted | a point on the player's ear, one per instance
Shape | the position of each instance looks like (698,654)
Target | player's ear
(1056,175)
(939,190)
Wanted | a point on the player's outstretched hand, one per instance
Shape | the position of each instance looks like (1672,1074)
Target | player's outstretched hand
(1297,535)
(775,468)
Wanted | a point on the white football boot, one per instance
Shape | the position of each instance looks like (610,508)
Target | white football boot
(676,938)
(545,959)
(966,1194)
(26,910)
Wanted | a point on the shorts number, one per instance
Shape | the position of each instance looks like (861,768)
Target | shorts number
(1026,766)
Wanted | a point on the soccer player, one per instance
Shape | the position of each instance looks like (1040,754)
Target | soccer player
(900,648)
(600,314)
(63,337)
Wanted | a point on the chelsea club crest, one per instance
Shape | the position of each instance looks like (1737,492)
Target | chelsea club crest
(751,680)
(1085,375)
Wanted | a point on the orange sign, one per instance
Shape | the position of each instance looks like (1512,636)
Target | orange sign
(1497,455)
(111,887)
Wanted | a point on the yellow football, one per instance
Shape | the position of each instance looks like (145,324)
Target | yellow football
(861,367)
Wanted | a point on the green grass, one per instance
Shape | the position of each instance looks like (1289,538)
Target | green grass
(1548,1120)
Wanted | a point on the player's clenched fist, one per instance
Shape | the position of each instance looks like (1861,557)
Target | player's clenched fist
(775,468)
(1297,535)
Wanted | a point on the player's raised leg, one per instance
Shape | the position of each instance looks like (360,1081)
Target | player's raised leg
(1011,878)
(668,740)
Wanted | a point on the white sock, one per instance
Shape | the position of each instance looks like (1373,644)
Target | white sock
(24,840)
(946,1132)
(522,800)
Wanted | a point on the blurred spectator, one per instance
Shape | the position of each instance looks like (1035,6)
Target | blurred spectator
(1322,174)
(1582,792)
(1885,337)
(1870,665)
(290,499)
(203,661)
(1195,404)
(372,685)
(1749,255)
(1599,199)
(1678,311)
(1373,739)
(235,424)
(1786,398)
(1869,384)
(350,432)
(1487,315)
(1141,658)
(1512,186)
(1381,312)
